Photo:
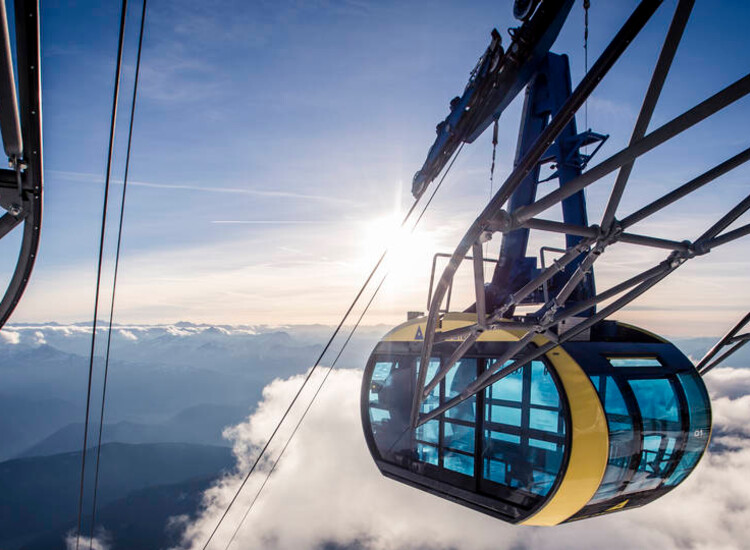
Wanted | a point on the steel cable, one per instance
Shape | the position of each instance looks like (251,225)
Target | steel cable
(333,364)
(112,124)
(116,269)
(328,344)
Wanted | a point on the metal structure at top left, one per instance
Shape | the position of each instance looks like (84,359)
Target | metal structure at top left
(21,128)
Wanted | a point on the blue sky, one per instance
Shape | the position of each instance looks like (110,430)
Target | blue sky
(274,140)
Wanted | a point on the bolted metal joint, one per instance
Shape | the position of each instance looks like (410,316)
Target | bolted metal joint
(500,223)
(698,248)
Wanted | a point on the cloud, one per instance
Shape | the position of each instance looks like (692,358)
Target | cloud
(102,541)
(240,189)
(10,337)
(727,382)
(128,335)
(327,491)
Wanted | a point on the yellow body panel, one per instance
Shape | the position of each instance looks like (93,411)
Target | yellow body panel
(408,331)
(589,449)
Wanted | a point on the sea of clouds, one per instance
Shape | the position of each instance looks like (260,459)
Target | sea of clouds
(327,493)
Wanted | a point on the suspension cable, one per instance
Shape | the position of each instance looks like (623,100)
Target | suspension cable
(492,180)
(333,364)
(304,413)
(112,124)
(116,269)
(328,344)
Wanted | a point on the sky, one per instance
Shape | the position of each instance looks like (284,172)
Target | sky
(274,145)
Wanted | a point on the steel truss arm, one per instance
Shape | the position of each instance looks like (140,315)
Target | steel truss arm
(635,287)
(595,238)
(676,126)
(686,189)
(612,52)
(659,76)
(731,338)
(727,237)
(489,377)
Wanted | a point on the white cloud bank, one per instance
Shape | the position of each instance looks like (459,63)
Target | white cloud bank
(99,542)
(327,490)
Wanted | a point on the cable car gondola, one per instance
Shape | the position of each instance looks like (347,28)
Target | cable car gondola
(559,413)
(593,426)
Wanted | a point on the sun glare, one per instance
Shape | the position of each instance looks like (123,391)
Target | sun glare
(409,252)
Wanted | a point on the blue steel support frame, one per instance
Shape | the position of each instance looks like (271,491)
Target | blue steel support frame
(549,89)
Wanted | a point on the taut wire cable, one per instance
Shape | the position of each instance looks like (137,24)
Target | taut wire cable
(116,269)
(115,98)
(325,349)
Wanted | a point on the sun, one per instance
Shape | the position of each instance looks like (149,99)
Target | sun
(410,252)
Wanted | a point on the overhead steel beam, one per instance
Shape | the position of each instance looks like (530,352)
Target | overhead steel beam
(479,284)
(723,357)
(486,380)
(676,126)
(661,69)
(727,237)
(603,296)
(493,210)
(686,189)
(452,360)
(560,227)
(724,222)
(653,242)
(703,365)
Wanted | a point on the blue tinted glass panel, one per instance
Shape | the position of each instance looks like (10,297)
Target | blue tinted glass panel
(700,426)
(504,415)
(542,482)
(651,443)
(623,443)
(379,415)
(458,437)
(516,469)
(543,444)
(508,388)
(390,406)
(656,400)
(463,373)
(433,400)
(661,431)
(543,389)
(618,416)
(459,463)
(459,376)
(495,470)
(500,436)
(380,375)
(429,432)
(427,453)
(634,361)
(541,419)
(381,371)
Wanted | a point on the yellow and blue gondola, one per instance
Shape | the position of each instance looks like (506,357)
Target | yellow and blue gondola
(594,426)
